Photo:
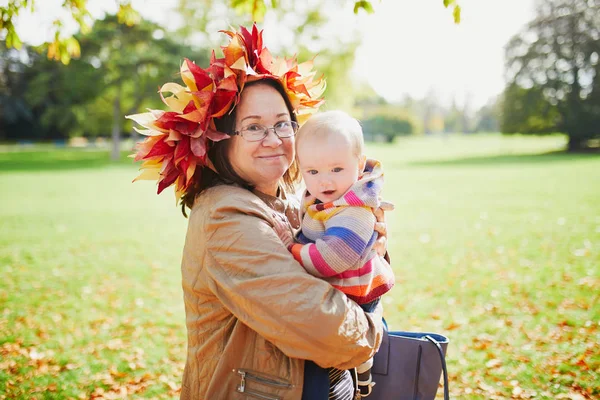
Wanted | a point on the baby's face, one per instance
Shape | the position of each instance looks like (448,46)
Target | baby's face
(328,165)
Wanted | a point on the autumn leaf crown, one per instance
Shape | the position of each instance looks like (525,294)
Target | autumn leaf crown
(178,139)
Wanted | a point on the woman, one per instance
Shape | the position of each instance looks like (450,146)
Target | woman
(253,314)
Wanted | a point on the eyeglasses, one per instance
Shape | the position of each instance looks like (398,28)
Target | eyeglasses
(257,132)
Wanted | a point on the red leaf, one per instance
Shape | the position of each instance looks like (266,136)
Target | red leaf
(201,77)
(160,149)
(215,135)
(170,176)
(198,146)
(182,149)
(222,102)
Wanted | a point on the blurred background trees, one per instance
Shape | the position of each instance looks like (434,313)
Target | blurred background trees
(114,66)
(553,73)
(118,73)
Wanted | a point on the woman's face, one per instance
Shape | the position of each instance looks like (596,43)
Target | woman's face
(261,163)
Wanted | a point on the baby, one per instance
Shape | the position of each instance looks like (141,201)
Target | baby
(337,236)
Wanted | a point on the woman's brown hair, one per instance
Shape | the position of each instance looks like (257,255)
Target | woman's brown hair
(205,177)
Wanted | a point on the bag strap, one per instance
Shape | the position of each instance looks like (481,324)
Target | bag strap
(443,359)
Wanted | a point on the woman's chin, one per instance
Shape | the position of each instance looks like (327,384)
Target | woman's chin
(274,167)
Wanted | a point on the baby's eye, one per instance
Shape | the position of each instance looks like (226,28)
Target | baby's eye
(338,169)
(312,171)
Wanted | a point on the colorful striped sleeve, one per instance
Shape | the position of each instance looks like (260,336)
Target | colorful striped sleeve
(348,238)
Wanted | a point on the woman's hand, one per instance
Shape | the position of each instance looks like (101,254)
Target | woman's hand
(283,230)
(380,245)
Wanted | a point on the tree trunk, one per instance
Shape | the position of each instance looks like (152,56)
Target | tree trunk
(575,144)
(116,129)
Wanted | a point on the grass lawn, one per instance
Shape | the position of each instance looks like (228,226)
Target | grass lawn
(495,242)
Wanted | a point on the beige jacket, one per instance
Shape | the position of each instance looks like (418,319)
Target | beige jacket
(253,314)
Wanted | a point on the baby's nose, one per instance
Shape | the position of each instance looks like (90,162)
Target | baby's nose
(325,182)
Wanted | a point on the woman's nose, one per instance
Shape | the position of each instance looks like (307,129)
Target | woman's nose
(271,140)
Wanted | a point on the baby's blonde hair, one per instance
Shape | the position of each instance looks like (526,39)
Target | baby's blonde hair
(333,122)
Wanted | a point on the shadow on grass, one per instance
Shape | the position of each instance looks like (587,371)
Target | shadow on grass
(550,157)
(58,159)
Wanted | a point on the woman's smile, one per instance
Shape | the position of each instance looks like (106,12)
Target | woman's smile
(271,157)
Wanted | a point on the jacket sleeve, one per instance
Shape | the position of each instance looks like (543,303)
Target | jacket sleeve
(257,279)
(349,236)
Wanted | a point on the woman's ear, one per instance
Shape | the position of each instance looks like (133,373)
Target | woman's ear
(361,164)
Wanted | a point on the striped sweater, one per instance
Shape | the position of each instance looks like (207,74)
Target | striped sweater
(336,241)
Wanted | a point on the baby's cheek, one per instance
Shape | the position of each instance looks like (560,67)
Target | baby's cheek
(310,183)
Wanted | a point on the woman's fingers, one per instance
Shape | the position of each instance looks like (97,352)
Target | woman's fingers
(380,211)
(381,228)
(386,206)
(380,245)
(379,216)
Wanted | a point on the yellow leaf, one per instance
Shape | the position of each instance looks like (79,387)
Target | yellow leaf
(52,50)
(65,58)
(456,14)
(147,132)
(143,119)
(172,87)
(73,47)
(150,174)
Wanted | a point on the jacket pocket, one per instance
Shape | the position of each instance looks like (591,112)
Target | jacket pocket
(251,381)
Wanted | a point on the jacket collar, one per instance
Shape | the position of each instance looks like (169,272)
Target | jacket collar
(281,204)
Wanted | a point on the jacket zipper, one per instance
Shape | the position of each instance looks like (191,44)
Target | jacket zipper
(261,379)
(245,375)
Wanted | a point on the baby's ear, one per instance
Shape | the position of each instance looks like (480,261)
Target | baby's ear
(361,164)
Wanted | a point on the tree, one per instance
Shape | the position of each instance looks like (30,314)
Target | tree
(57,95)
(16,115)
(387,126)
(527,111)
(306,29)
(455,119)
(553,71)
(119,73)
(132,60)
(63,48)
(487,118)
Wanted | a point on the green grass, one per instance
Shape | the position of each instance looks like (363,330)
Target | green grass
(495,242)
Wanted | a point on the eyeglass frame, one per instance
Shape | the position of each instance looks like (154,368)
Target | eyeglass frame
(295,127)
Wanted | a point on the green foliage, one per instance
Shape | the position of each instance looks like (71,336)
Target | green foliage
(528,111)
(7,14)
(128,16)
(15,113)
(555,61)
(456,10)
(57,95)
(333,53)
(456,13)
(60,50)
(131,63)
(365,5)
(118,73)
(488,118)
(456,120)
(386,126)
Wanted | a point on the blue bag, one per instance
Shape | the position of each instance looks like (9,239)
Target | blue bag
(408,366)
